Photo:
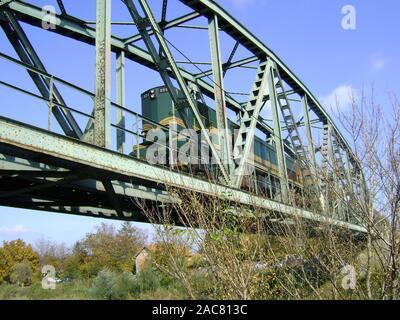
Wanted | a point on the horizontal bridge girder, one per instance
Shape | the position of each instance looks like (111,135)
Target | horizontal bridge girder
(19,136)
(14,166)
(83,211)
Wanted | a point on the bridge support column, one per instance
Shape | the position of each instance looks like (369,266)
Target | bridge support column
(102,127)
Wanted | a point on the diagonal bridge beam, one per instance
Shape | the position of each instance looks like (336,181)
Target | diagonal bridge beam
(47,89)
(169,61)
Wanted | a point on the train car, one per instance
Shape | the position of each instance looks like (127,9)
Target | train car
(158,106)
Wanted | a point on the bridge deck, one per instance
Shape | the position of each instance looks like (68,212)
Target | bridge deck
(62,174)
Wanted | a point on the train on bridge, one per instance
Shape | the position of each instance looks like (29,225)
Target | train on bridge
(159,107)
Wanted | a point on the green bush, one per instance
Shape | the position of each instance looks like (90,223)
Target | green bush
(146,281)
(125,284)
(152,284)
(111,286)
(22,274)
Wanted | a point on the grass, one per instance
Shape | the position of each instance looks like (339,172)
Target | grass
(76,290)
(147,286)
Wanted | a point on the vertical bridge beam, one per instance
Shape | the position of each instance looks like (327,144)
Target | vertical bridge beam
(163,20)
(120,84)
(311,152)
(278,139)
(219,94)
(325,148)
(328,167)
(102,124)
(310,140)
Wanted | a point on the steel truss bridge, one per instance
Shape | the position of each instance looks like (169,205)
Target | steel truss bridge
(82,167)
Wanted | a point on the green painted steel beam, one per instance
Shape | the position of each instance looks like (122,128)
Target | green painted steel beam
(168,25)
(112,196)
(101,126)
(244,144)
(219,94)
(87,211)
(29,56)
(61,6)
(10,165)
(310,139)
(277,137)
(163,20)
(34,173)
(18,135)
(4,2)
(227,66)
(120,87)
(231,56)
(311,152)
(330,144)
(164,12)
(290,121)
(41,186)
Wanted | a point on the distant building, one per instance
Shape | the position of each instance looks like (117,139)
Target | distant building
(143,257)
(142,260)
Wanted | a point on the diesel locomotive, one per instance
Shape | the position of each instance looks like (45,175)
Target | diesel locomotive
(158,106)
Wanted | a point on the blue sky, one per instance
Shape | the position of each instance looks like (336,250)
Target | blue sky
(306,34)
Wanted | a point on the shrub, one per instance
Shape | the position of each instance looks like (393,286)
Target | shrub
(125,284)
(22,274)
(104,286)
(111,286)
(147,280)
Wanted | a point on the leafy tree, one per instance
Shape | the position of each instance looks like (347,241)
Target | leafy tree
(22,274)
(130,241)
(111,249)
(75,264)
(14,252)
(52,253)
